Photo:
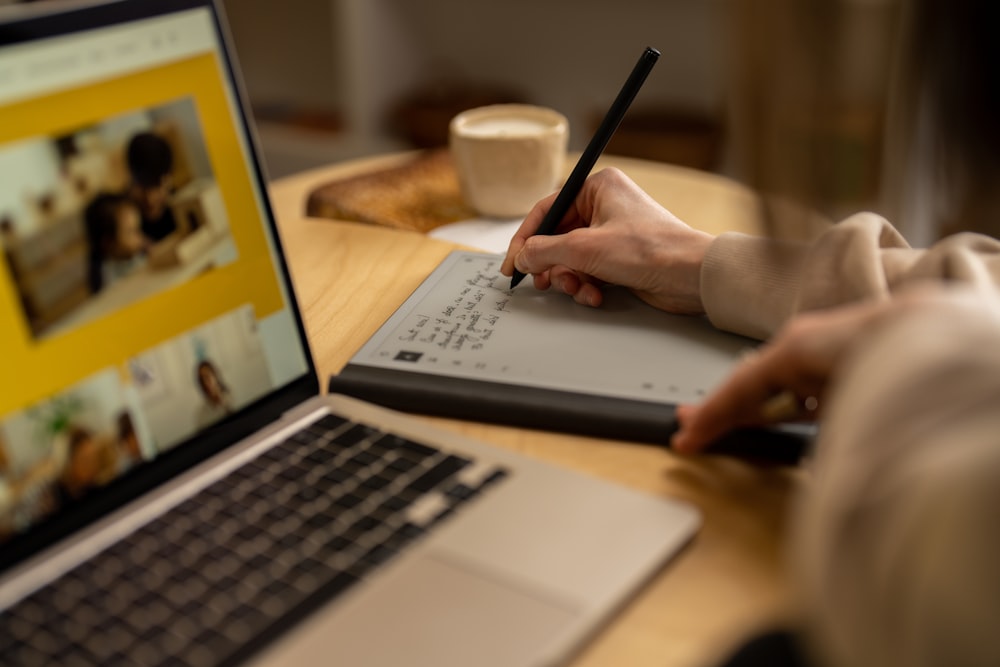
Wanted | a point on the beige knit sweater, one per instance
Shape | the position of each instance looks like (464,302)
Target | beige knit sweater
(897,543)
(751,285)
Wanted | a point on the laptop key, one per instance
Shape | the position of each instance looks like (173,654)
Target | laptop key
(307,493)
(402,464)
(409,448)
(378,554)
(494,477)
(327,423)
(348,501)
(363,458)
(426,509)
(354,435)
(209,648)
(334,476)
(321,456)
(376,482)
(365,523)
(394,503)
(403,535)
(25,654)
(439,473)
(460,492)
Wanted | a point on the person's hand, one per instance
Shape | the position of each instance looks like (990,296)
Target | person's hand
(613,234)
(790,375)
(787,377)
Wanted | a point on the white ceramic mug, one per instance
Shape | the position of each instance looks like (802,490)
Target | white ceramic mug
(508,156)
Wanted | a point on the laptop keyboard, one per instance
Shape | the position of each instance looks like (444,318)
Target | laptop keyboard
(225,571)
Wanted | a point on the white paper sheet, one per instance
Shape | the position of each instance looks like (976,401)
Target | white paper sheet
(489,235)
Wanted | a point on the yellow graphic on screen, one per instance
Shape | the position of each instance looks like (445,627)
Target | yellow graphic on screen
(104,311)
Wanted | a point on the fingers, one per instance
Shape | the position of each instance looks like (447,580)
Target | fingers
(583,213)
(788,378)
(739,402)
(541,253)
(564,279)
(524,232)
(614,233)
(589,294)
(579,286)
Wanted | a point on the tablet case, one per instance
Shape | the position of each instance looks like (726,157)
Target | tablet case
(446,352)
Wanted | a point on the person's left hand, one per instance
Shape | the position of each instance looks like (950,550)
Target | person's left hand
(801,359)
(796,364)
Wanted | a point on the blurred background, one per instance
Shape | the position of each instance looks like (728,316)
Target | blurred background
(332,80)
(362,76)
(336,79)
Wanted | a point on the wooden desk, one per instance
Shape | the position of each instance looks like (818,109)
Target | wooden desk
(731,581)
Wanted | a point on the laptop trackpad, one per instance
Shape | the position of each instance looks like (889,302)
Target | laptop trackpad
(437,613)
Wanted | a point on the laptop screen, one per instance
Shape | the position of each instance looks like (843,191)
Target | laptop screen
(143,298)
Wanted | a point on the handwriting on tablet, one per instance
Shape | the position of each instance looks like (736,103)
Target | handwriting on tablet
(464,322)
(467,320)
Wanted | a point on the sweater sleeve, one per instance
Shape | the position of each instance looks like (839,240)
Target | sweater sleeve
(751,285)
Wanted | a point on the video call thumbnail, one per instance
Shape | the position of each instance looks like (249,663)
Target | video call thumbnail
(110,214)
(59,450)
(200,377)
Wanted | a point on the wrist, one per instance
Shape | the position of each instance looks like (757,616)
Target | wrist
(699,249)
(675,280)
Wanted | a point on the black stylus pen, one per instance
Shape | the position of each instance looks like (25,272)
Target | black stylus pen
(594,149)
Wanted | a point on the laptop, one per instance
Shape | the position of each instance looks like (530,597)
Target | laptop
(174,488)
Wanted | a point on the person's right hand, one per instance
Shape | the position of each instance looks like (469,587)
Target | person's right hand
(613,234)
